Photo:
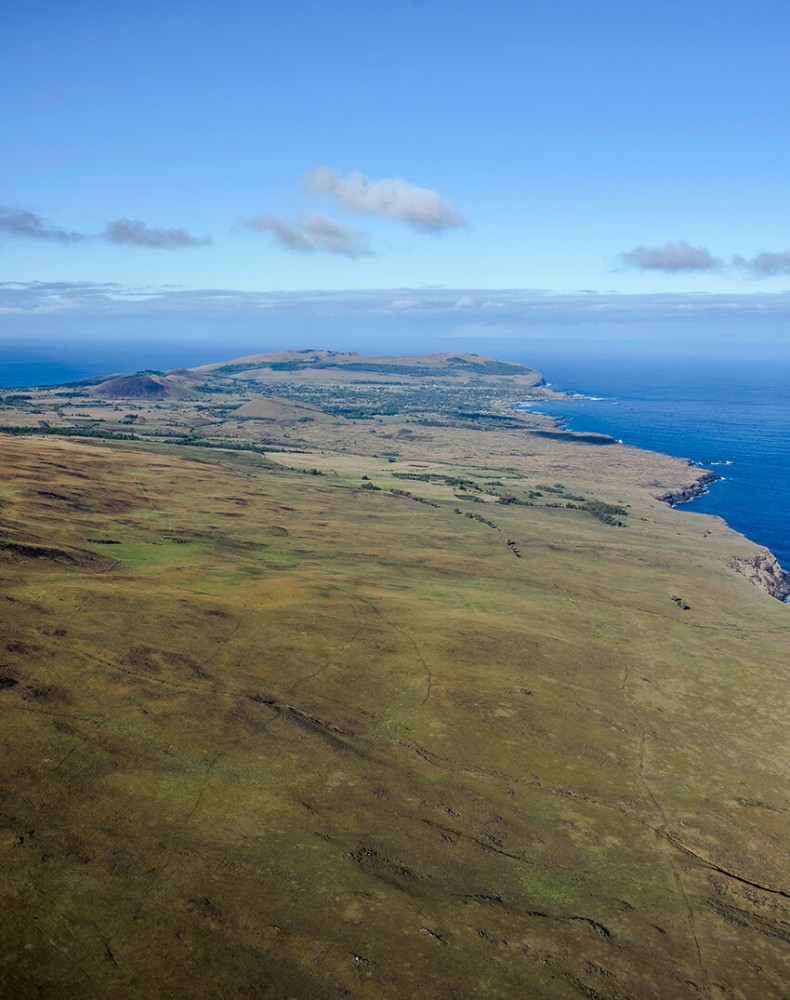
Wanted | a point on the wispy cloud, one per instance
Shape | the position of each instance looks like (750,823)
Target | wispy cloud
(314,234)
(87,297)
(20,224)
(137,233)
(393,198)
(26,225)
(681,257)
(519,311)
(765,264)
(671,257)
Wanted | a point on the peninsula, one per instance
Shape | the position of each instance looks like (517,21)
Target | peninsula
(325,675)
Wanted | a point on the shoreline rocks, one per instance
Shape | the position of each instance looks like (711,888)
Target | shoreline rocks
(687,493)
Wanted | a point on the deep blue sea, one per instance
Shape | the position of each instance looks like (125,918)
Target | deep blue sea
(731,415)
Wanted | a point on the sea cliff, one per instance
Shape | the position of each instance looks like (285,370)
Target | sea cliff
(763,570)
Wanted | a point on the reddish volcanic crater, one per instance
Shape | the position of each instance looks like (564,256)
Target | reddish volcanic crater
(135,387)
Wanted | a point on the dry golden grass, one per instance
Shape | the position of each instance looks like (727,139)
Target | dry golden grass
(271,729)
(272,734)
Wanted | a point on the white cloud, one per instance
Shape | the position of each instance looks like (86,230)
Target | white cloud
(142,235)
(519,309)
(392,198)
(765,264)
(681,256)
(671,257)
(19,223)
(314,234)
(404,305)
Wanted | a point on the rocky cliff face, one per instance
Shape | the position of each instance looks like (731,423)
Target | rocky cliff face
(689,492)
(765,572)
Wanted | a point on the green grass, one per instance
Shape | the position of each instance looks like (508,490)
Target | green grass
(336,740)
(550,886)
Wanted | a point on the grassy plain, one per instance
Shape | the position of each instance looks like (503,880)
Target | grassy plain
(273,730)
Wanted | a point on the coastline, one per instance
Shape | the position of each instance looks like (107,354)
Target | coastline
(690,410)
(762,569)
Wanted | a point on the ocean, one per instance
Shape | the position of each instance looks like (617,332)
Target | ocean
(731,416)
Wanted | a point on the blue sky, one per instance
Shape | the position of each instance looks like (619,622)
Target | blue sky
(608,163)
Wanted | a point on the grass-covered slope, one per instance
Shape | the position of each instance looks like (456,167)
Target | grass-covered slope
(274,733)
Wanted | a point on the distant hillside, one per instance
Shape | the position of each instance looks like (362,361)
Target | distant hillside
(317,368)
(275,408)
(336,366)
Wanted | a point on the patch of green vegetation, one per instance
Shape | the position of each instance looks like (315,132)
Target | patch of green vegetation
(209,388)
(545,886)
(275,559)
(500,419)
(238,368)
(83,431)
(437,477)
(156,551)
(489,367)
(608,513)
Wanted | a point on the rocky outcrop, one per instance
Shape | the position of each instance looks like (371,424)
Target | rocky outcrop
(764,572)
(689,492)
